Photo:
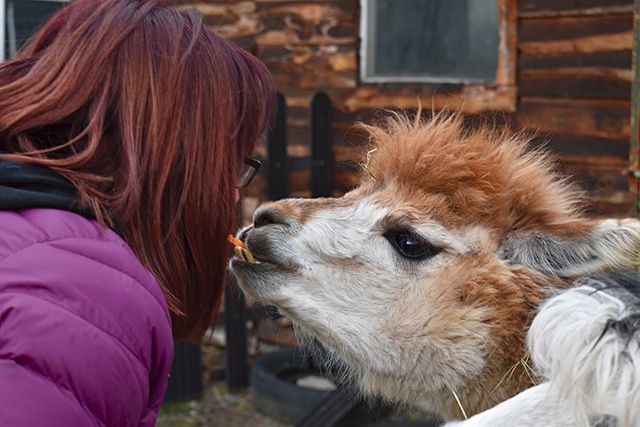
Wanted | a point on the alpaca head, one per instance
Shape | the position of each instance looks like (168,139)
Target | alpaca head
(423,280)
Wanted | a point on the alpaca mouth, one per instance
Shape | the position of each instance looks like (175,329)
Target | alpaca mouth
(241,250)
(247,256)
(244,254)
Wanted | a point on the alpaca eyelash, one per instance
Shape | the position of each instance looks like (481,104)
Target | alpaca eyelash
(410,245)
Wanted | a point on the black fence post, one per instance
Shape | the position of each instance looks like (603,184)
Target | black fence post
(321,146)
(185,376)
(277,152)
(237,366)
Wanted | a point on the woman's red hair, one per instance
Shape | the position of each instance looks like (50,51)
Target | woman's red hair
(149,114)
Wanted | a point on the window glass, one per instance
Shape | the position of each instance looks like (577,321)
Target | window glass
(429,41)
(22,18)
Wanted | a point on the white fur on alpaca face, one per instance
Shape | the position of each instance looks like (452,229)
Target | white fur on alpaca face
(344,283)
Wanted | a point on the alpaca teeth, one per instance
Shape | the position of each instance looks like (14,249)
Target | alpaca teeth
(244,254)
(248,256)
(238,251)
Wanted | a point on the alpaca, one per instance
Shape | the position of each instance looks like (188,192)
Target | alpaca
(585,342)
(423,281)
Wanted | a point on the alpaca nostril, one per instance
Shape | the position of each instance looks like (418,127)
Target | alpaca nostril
(269,216)
(243,235)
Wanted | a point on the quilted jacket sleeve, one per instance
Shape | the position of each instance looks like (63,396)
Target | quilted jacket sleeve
(85,335)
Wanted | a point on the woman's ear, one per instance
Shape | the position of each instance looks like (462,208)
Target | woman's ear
(604,244)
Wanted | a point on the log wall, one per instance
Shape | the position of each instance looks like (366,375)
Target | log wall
(572,83)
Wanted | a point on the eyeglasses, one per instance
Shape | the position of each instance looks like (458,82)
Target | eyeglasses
(251,167)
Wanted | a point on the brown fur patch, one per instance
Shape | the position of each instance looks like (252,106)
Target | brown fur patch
(482,175)
(475,297)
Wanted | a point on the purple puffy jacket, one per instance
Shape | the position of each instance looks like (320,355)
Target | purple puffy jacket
(85,334)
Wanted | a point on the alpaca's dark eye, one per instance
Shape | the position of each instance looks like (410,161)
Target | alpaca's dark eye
(409,245)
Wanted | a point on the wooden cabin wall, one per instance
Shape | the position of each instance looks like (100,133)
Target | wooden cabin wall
(573,84)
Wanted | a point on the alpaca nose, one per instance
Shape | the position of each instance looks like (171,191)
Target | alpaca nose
(270,215)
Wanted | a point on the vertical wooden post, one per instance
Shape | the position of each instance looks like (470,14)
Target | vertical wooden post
(321,146)
(237,363)
(278,174)
(634,145)
(185,378)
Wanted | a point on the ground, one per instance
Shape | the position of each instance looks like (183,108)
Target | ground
(218,407)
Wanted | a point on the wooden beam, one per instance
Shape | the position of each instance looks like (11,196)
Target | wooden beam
(545,8)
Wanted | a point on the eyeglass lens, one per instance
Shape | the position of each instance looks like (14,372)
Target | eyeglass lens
(251,167)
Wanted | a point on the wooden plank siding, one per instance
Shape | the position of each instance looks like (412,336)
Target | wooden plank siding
(574,85)
(634,151)
(571,83)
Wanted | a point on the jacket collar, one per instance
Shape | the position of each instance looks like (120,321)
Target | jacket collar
(24,185)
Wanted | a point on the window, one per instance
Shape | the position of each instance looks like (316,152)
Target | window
(20,19)
(455,48)
(435,40)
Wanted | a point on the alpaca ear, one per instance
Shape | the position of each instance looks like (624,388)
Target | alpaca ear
(603,245)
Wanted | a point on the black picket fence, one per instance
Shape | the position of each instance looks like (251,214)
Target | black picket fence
(186,380)
(278,170)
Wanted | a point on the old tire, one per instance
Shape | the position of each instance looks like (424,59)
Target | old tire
(274,388)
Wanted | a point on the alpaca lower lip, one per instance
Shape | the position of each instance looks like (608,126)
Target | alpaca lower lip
(249,259)
(242,267)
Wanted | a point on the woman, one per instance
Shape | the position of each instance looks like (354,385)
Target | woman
(123,128)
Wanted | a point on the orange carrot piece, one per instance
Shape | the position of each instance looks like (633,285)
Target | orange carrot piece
(235,241)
